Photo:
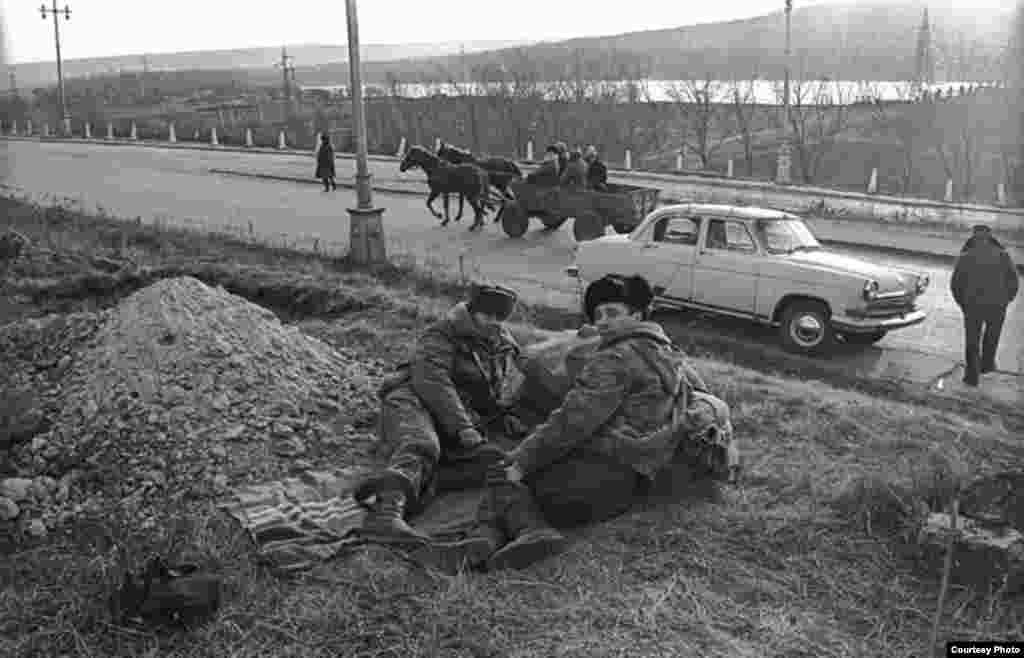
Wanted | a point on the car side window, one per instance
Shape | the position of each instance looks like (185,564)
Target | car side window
(730,236)
(679,230)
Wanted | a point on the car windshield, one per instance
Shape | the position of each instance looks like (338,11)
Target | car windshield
(784,236)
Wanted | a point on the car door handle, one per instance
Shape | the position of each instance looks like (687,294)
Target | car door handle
(650,245)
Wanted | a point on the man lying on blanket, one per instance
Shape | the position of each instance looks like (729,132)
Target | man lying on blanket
(599,451)
(438,410)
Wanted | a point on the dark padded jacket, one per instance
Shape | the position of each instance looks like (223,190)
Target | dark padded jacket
(458,372)
(984,275)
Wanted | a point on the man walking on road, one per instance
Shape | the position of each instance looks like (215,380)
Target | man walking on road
(325,163)
(984,283)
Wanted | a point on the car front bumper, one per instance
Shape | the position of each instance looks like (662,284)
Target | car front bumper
(866,325)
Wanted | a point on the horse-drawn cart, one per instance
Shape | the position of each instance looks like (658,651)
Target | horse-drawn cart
(620,206)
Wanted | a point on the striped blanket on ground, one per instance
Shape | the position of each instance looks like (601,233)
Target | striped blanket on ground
(301,521)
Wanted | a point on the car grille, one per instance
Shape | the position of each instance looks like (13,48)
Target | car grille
(881,308)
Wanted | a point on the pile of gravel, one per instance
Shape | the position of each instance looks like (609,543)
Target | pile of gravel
(178,392)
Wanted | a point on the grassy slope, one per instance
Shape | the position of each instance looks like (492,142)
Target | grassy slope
(807,559)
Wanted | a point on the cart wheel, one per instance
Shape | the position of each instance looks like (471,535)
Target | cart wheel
(514,220)
(587,226)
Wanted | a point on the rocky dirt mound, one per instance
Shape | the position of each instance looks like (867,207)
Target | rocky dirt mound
(178,392)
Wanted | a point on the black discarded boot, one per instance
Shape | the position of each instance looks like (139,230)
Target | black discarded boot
(532,538)
(386,521)
(463,554)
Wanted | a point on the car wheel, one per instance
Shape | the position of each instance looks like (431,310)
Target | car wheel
(587,226)
(623,229)
(514,220)
(864,339)
(806,328)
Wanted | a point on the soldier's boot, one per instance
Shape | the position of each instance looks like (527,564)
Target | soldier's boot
(470,552)
(385,522)
(532,538)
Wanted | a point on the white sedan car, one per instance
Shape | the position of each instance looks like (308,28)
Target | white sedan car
(760,264)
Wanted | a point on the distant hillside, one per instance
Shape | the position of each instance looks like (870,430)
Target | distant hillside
(853,42)
(863,41)
(36,74)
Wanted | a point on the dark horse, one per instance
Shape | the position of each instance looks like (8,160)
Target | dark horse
(469,181)
(499,170)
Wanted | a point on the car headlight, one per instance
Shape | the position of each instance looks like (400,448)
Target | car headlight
(922,283)
(870,290)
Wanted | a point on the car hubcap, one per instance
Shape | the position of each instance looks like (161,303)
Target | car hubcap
(807,330)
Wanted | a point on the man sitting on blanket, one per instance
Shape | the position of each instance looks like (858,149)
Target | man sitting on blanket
(439,407)
(600,450)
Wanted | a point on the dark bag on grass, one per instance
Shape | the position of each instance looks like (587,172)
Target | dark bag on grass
(167,595)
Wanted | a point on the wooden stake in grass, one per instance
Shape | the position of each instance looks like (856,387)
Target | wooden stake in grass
(947,567)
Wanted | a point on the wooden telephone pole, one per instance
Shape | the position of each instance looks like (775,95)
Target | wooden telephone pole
(142,82)
(53,11)
(288,77)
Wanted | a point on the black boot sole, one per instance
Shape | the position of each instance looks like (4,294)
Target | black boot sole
(451,558)
(519,555)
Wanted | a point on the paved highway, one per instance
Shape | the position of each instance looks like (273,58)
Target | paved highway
(174,185)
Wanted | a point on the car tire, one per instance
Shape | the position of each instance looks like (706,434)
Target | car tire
(864,339)
(587,226)
(806,328)
(514,220)
(623,229)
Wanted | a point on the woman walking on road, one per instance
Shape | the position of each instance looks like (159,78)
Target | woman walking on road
(325,163)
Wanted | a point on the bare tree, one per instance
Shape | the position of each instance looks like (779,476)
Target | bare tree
(706,124)
(903,124)
(818,115)
(955,136)
(526,94)
(744,109)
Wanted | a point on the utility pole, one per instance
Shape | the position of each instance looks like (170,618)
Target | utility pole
(288,77)
(785,150)
(145,72)
(925,66)
(65,120)
(366,230)
(14,85)
(462,62)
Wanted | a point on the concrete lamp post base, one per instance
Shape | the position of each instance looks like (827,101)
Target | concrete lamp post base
(366,236)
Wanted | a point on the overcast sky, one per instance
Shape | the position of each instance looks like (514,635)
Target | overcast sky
(126,27)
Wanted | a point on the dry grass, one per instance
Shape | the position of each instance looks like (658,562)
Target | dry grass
(812,557)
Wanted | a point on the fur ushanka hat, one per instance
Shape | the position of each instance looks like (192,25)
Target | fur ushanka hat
(633,291)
